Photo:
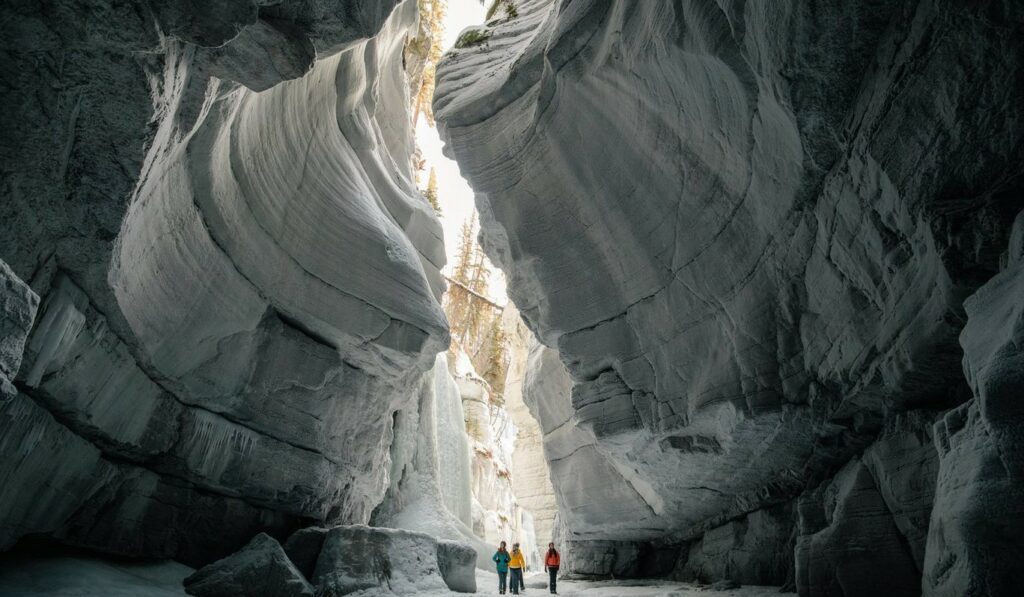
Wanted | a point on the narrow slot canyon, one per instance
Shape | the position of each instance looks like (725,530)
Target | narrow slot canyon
(331,297)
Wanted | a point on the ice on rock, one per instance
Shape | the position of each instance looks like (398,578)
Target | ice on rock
(530,480)
(430,467)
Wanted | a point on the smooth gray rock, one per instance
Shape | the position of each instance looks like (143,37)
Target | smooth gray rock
(48,471)
(457,562)
(261,568)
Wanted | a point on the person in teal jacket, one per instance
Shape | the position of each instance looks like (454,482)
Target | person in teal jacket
(501,559)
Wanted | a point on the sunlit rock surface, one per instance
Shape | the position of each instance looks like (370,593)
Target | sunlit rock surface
(237,277)
(748,230)
(530,479)
(497,512)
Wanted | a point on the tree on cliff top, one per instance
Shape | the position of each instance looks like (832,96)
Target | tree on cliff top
(432,14)
(431,192)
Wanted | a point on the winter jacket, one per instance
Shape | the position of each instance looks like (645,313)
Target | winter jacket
(552,559)
(517,560)
(501,559)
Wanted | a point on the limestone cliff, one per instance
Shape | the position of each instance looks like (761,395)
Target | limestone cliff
(238,281)
(748,229)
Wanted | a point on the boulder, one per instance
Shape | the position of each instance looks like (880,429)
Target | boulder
(355,558)
(457,562)
(260,569)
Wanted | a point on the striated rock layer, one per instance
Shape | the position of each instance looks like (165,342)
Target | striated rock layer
(237,280)
(748,229)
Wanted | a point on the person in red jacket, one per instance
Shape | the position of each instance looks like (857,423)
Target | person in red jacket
(551,562)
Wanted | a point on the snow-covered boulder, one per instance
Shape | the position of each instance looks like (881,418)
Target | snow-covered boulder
(457,562)
(260,569)
(355,558)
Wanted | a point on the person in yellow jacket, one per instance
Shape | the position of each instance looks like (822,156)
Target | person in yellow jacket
(516,568)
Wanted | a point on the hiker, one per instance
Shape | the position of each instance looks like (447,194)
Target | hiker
(551,562)
(516,566)
(501,559)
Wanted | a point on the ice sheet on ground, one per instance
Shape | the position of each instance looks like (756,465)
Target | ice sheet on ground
(87,577)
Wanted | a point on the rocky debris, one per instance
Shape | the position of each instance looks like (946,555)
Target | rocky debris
(261,568)
(341,560)
(355,558)
(748,234)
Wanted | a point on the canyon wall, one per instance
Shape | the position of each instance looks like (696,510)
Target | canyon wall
(235,278)
(747,231)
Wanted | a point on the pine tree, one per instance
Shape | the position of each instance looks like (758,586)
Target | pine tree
(464,260)
(433,12)
(495,359)
(431,192)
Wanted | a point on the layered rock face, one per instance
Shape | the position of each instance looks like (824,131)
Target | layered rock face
(748,230)
(237,280)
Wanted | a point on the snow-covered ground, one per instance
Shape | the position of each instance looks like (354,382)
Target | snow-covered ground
(81,577)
